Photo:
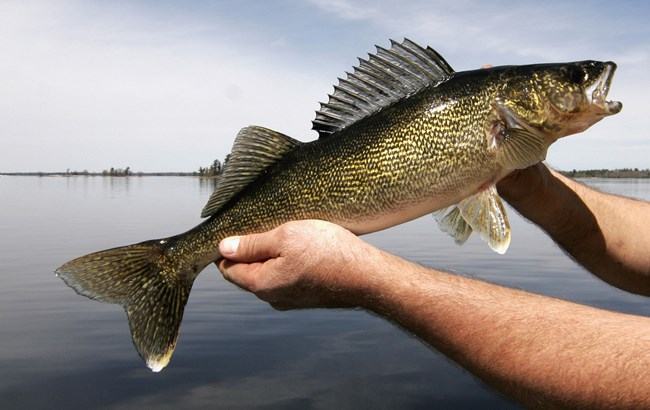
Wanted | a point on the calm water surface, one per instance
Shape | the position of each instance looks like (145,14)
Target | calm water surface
(60,350)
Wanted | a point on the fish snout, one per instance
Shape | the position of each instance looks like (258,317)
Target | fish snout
(597,93)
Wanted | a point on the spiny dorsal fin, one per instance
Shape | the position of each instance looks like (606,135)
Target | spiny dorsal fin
(380,81)
(254,150)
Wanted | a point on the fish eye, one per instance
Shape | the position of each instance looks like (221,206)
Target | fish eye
(577,75)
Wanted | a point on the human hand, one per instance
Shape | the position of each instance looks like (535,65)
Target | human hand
(301,264)
(525,187)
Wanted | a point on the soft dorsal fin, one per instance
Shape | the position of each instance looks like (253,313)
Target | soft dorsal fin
(378,82)
(254,150)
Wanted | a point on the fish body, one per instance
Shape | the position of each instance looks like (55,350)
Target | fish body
(402,136)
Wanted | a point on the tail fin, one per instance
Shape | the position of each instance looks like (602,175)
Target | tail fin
(143,280)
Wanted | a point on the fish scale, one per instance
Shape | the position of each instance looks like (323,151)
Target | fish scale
(402,135)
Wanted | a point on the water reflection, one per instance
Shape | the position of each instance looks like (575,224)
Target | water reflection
(60,350)
(207,185)
(117,186)
(632,187)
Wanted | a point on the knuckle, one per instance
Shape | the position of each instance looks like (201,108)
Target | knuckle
(249,244)
(289,237)
(287,232)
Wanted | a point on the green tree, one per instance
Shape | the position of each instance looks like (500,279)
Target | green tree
(215,168)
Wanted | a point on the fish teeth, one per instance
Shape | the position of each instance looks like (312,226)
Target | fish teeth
(598,91)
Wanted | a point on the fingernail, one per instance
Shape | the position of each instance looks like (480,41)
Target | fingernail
(229,246)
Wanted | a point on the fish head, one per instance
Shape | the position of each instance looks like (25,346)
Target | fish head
(556,100)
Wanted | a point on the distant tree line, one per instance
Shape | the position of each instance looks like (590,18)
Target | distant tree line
(117,172)
(609,173)
(215,169)
(75,172)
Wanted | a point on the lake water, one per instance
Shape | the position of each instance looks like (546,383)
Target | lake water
(61,350)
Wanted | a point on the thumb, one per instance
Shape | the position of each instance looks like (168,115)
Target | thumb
(249,248)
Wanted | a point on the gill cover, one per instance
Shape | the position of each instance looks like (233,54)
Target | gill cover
(556,100)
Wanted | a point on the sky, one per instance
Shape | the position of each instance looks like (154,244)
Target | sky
(162,86)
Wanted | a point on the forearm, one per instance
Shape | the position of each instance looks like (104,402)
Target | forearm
(541,351)
(605,233)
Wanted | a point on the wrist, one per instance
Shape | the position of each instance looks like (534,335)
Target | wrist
(527,188)
(390,283)
(539,194)
(556,204)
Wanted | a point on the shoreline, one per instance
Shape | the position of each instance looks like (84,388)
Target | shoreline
(582,174)
(100,174)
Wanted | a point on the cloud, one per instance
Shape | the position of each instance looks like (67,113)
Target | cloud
(348,10)
(108,86)
(550,30)
(96,85)
(470,33)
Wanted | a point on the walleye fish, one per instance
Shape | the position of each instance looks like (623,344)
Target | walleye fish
(401,136)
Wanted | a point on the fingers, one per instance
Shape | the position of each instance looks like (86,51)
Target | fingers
(248,260)
(299,264)
(243,275)
(251,277)
(249,248)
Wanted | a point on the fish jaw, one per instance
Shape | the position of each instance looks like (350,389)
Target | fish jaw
(598,107)
(597,93)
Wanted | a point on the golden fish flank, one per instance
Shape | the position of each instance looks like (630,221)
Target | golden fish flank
(401,136)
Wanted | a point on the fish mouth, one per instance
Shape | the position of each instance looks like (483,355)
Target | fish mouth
(597,93)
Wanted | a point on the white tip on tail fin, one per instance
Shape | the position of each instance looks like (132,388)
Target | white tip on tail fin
(152,288)
(156,364)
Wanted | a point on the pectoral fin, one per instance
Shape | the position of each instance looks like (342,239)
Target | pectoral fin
(521,149)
